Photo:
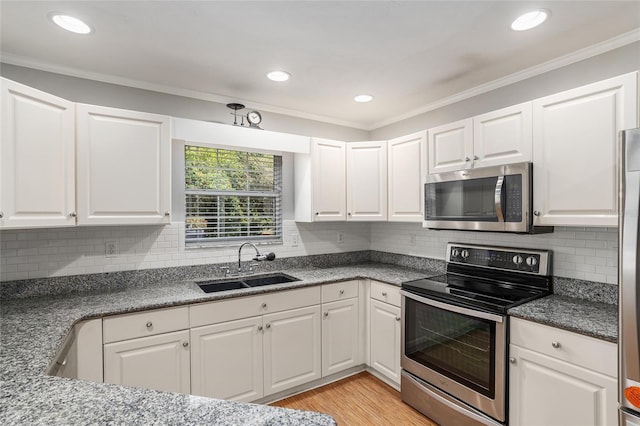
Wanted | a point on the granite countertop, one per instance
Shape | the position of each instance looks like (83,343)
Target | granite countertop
(595,319)
(33,328)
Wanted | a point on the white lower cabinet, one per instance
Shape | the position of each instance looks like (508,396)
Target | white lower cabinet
(340,336)
(385,330)
(560,378)
(226,360)
(158,362)
(291,348)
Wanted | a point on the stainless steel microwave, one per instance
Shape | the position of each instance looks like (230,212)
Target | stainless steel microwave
(497,199)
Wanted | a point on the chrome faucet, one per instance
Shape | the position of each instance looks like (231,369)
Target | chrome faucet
(259,257)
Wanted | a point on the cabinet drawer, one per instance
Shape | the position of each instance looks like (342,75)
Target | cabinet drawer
(385,293)
(244,307)
(147,323)
(577,349)
(339,291)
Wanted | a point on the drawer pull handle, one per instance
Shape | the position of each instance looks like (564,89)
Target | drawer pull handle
(185,344)
(384,293)
(264,306)
(149,324)
(555,345)
(341,292)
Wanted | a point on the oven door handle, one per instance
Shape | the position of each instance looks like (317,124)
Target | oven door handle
(497,198)
(453,308)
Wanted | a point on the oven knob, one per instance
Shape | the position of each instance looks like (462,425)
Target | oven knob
(465,254)
(455,252)
(517,259)
(532,261)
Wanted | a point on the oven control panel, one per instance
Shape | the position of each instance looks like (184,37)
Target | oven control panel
(505,258)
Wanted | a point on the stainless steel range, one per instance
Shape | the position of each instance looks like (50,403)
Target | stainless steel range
(455,331)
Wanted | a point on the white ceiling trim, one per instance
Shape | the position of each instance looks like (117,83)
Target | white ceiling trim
(22,61)
(579,55)
(588,52)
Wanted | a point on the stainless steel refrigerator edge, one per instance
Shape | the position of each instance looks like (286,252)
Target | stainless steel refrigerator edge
(629,275)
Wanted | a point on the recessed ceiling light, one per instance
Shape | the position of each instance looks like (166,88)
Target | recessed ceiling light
(363,98)
(70,23)
(530,20)
(278,76)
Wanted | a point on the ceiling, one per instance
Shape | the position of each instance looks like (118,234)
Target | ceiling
(407,54)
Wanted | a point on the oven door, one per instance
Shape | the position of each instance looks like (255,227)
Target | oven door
(458,350)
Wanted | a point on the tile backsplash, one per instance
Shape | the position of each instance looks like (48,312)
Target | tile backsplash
(580,253)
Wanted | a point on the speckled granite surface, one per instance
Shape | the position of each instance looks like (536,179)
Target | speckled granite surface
(32,329)
(593,319)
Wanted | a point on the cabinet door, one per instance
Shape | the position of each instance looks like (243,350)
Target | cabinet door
(157,362)
(226,360)
(340,341)
(406,163)
(546,391)
(367,181)
(124,170)
(385,339)
(37,159)
(291,348)
(503,136)
(450,147)
(575,150)
(328,163)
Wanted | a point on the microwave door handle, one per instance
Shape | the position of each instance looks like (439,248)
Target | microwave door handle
(498,198)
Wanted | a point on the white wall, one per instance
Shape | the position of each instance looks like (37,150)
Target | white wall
(38,253)
(583,253)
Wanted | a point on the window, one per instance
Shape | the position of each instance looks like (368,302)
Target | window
(232,196)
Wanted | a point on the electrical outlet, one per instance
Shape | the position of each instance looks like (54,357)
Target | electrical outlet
(111,248)
(412,238)
(294,240)
(340,238)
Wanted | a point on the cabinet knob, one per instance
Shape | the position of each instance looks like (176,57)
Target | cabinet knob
(167,213)
(467,159)
(317,213)
(73,214)
(268,325)
(264,306)
(260,328)
(512,360)
(349,214)
(398,318)
(475,157)
(1,215)
(341,292)
(536,213)
(555,345)
(384,293)
(149,324)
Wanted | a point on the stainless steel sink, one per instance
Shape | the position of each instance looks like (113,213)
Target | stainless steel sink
(236,283)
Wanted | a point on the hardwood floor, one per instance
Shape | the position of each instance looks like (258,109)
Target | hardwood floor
(361,399)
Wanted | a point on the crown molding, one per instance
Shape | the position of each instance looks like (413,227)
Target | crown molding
(562,61)
(571,58)
(22,61)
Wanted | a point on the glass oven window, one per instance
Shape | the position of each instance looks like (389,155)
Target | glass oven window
(455,345)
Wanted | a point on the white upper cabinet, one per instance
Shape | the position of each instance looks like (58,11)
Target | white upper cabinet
(367,181)
(405,168)
(503,136)
(123,166)
(37,159)
(495,138)
(575,152)
(320,182)
(451,147)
